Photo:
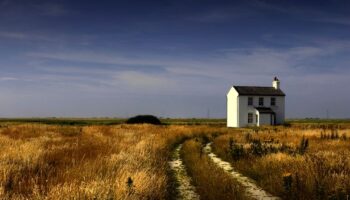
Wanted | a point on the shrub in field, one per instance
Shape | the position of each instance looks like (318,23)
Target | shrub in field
(286,149)
(287,182)
(248,137)
(144,119)
(257,148)
(205,139)
(236,151)
(344,137)
(333,135)
(304,143)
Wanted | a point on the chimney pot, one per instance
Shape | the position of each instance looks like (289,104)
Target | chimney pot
(276,83)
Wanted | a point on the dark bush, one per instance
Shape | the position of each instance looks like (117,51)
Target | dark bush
(236,151)
(304,143)
(144,119)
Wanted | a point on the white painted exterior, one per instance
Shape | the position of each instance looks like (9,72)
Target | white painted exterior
(276,84)
(232,108)
(238,109)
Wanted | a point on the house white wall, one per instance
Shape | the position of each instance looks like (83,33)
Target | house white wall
(244,110)
(232,108)
(279,109)
(238,109)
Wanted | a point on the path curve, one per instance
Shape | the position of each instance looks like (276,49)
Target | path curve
(251,189)
(185,189)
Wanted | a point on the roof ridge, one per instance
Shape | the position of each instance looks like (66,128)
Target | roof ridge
(251,86)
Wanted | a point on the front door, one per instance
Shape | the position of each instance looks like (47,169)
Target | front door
(272,119)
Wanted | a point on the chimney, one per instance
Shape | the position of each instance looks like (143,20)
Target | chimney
(276,83)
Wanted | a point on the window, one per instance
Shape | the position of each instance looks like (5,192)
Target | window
(250,118)
(250,101)
(261,101)
(273,101)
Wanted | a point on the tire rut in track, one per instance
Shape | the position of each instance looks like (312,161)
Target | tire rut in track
(185,189)
(251,189)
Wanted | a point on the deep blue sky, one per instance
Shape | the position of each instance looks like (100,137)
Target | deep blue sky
(172,58)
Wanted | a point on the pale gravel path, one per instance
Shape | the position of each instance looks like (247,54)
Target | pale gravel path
(185,189)
(251,189)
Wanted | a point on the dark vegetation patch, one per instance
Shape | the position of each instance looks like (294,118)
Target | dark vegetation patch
(144,119)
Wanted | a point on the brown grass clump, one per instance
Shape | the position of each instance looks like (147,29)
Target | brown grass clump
(211,182)
(312,167)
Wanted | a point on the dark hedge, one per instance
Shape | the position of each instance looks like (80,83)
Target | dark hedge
(144,119)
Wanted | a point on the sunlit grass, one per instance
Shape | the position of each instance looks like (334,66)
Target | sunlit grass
(321,172)
(39,161)
(67,162)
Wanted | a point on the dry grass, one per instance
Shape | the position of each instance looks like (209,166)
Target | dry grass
(322,172)
(131,162)
(93,162)
(211,182)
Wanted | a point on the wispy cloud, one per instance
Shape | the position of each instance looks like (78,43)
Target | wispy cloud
(303,13)
(51,9)
(84,56)
(221,14)
(210,74)
(42,8)
(13,35)
(8,79)
(27,36)
(335,20)
(217,64)
(144,81)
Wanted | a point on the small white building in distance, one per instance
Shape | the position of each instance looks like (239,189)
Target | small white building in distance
(255,105)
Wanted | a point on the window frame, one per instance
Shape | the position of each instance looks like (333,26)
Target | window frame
(261,103)
(250,118)
(273,103)
(250,103)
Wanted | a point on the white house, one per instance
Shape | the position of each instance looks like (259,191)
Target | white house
(255,105)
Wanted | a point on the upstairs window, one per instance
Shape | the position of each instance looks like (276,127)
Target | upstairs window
(261,101)
(250,101)
(250,118)
(273,101)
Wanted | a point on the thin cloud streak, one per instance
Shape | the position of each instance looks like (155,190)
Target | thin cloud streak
(28,36)
(247,61)
(8,79)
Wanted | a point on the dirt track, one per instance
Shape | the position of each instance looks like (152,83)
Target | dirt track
(252,190)
(185,189)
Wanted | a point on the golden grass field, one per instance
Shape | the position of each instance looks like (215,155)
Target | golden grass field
(39,161)
(321,172)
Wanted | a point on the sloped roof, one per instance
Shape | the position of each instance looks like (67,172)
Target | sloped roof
(259,91)
(264,109)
